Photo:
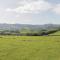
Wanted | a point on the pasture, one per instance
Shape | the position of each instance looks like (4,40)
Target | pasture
(56,34)
(29,47)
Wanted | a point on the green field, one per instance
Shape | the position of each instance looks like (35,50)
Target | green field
(57,33)
(30,48)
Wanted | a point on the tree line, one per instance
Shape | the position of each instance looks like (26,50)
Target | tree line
(28,32)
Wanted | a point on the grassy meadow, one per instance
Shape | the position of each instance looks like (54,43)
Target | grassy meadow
(29,47)
(56,33)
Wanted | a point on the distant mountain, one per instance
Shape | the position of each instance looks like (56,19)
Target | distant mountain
(20,26)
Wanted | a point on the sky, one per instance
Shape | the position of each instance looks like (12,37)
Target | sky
(30,11)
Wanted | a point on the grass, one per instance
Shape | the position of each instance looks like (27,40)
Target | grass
(57,33)
(30,48)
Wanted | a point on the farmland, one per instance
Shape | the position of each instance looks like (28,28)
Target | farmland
(29,47)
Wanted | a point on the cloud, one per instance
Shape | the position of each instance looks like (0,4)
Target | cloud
(34,6)
(56,9)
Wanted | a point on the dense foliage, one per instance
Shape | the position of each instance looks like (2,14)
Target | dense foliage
(28,32)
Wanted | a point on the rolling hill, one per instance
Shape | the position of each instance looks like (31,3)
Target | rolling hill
(20,26)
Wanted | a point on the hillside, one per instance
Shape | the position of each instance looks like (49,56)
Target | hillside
(20,26)
(56,33)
